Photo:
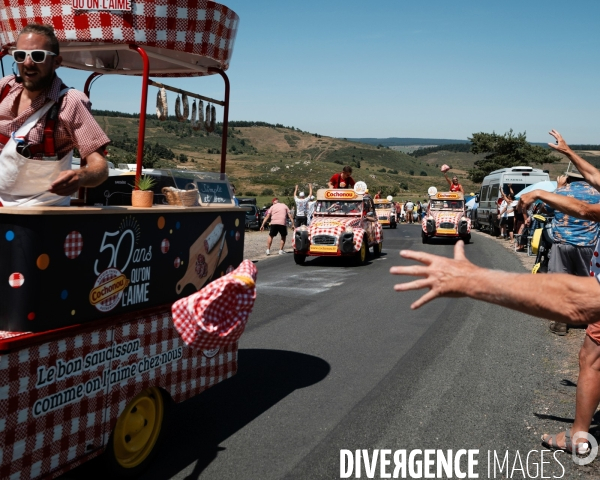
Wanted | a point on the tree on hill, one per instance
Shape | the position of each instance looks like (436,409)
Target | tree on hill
(508,150)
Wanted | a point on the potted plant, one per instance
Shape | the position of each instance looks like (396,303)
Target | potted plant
(142,195)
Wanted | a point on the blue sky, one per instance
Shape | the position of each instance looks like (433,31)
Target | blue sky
(404,68)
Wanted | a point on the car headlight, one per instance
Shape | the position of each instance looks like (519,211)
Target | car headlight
(349,230)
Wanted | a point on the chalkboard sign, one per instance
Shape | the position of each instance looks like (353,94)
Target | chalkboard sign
(214,193)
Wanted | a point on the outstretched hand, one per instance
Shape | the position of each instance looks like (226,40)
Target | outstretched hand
(444,277)
(560,145)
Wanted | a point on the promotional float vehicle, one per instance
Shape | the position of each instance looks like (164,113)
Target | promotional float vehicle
(344,224)
(386,212)
(446,217)
(89,356)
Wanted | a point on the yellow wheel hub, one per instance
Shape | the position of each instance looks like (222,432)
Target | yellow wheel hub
(138,428)
(363,252)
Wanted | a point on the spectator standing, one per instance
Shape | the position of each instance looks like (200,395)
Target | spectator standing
(408,211)
(278,214)
(301,207)
(507,211)
(342,180)
(311,208)
(574,238)
(398,212)
(235,200)
(419,210)
(377,195)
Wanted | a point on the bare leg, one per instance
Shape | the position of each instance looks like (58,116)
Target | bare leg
(588,389)
(282,243)
(269,242)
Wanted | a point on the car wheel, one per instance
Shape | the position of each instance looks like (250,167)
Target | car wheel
(299,258)
(424,237)
(361,256)
(494,230)
(467,239)
(377,249)
(138,433)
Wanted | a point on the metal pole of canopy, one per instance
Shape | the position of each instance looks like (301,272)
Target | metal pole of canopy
(225,117)
(142,126)
(88,83)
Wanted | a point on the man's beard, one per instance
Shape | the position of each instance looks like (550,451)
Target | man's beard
(40,84)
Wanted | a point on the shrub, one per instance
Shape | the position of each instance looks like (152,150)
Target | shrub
(423,173)
(267,192)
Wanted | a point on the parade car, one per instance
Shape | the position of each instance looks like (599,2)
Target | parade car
(386,212)
(446,217)
(344,224)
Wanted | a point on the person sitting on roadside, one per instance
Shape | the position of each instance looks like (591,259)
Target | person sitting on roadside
(575,299)
(343,179)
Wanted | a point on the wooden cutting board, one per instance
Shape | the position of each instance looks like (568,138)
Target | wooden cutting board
(212,259)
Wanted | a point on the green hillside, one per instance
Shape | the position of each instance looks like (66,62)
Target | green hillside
(266,160)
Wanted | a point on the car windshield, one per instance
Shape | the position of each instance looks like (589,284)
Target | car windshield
(335,207)
(383,206)
(447,205)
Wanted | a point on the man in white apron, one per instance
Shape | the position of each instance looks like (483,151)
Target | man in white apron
(35,166)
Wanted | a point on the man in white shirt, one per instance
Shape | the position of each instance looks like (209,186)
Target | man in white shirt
(301,207)
(408,211)
(311,208)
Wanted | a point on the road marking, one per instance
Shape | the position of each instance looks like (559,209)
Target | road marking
(295,285)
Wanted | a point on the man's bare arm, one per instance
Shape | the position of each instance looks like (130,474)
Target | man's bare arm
(561,297)
(93,174)
(567,205)
(589,172)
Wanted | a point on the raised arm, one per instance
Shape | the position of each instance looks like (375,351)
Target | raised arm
(447,179)
(309,190)
(589,172)
(559,297)
(567,205)
(295,191)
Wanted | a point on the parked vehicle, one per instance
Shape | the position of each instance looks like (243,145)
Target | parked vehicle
(490,195)
(253,217)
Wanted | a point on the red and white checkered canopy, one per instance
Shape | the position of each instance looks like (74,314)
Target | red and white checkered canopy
(181,37)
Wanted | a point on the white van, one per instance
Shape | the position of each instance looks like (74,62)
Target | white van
(490,196)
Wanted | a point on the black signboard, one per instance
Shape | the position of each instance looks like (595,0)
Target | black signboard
(214,193)
(83,264)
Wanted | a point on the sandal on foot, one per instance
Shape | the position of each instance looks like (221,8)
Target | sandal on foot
(550,441)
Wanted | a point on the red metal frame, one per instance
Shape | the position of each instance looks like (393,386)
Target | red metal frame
(144,103)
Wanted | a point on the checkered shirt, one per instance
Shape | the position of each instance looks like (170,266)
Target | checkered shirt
(76,127)
(217,315)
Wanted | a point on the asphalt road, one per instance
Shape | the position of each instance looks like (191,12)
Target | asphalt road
(333,358)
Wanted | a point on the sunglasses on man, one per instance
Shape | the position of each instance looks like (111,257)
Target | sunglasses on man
(37,56)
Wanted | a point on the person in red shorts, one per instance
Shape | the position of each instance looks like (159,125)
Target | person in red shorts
(342,180)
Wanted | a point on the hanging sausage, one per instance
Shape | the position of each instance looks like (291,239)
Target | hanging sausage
(186,107)
(162,110)
(178,114)
(207,120)
(200,115)
(193,118)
